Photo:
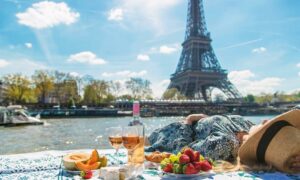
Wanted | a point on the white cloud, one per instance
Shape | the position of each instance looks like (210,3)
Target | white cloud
(165,49)
(238,76)
(143,57)
(246,84)
(47,14)
(259,50)
(169,49)
(3,63)
(75,74)
(28,45)
(115,14)
(86,57)
(125,73)
(159,88)
(148,13)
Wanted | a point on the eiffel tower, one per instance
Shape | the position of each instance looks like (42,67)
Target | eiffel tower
(198,71)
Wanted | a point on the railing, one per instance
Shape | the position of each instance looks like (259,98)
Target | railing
(223,71)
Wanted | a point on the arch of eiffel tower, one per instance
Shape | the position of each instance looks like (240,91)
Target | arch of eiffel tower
(198,71)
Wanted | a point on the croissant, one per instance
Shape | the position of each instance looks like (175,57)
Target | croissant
(157,156)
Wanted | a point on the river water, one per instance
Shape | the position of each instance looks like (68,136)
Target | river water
(81,133)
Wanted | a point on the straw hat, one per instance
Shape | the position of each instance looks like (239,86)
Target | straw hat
(275,143)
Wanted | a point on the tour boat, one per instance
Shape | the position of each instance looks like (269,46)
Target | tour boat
(16,115)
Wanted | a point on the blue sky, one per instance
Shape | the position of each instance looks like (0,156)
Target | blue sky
(256,40)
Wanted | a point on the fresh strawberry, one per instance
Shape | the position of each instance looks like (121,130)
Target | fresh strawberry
(183,149)
(86,174)
(205,166)
(168,168)
(211,162)
(184,159)
(197,156)
(190,153)
(197,165)
(190,169)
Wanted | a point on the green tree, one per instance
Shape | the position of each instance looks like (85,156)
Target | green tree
(173,94)
(18,88)
(71,89)
(139,88)
(90,94)
(44,84)
(249,98)
(97,92)
(126,97)
(264,98)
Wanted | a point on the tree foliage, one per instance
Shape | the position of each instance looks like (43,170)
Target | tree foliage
(44,84)
(249,98)
(97,92)
(139,88)
(173,94)
(18,88)
(65,88)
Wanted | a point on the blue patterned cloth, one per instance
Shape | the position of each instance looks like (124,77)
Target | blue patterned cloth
(47,166)
(212,136)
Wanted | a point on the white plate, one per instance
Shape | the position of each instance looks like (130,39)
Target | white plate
(187,176)
(78,172)
(152,165)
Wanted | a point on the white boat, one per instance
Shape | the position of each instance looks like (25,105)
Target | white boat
(16,115)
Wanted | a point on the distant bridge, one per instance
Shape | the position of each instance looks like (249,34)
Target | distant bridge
(185,107)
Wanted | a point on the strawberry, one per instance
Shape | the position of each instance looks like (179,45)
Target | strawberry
(197,156)
(189,169)
(205,166)
(184,159)
(190,153)
(184,148)
(168,168)
(197,165)
(86,174)
(211,162)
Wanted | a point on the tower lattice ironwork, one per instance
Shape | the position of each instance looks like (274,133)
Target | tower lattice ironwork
(198,71)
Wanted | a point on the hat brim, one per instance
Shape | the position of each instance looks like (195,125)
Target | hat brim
(247,151)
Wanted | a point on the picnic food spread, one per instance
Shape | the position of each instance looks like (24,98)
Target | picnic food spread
(157,156)
(187,161)
(70,159)
(84,161)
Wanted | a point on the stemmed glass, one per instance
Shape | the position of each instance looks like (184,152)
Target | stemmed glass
(115,139)
(131,139)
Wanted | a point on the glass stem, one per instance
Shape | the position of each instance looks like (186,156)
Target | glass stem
(130,153)
(117,156)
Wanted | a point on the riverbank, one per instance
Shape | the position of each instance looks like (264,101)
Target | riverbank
(164,111)
(76,133)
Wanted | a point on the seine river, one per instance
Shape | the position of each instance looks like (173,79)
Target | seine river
(66,134)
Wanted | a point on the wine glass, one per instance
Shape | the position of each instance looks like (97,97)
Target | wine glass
(115,138)
(131,139)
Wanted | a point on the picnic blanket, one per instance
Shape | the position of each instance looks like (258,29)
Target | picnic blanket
(48,165)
